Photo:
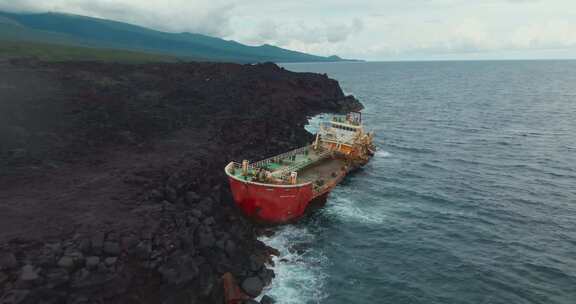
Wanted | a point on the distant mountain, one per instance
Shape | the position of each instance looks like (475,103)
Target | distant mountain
(81,31)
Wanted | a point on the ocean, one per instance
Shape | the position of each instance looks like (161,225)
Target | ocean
(471,197)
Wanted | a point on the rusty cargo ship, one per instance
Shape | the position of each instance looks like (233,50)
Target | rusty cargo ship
(279,189)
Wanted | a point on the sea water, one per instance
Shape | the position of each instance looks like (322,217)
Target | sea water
(470,198)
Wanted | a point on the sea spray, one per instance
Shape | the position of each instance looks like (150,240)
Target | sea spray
(382,154)
(300,268)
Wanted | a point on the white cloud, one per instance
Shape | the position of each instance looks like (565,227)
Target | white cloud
(210,17)
(269,31)
(373,29)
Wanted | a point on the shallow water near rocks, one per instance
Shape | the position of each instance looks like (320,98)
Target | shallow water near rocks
(471,197)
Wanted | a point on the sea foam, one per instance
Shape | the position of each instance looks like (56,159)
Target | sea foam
(300,268)
(345,208)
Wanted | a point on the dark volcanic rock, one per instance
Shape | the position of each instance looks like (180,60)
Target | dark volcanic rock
(15,296)
(267,300)
(112,182)
(112,248)
(253,286)
(66,262)
(7,260)
(56,277)
(92,262)
(266,275)
(97,243)
(29,275)
(192,197)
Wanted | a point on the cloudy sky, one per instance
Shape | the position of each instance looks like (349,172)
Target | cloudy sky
(367,29)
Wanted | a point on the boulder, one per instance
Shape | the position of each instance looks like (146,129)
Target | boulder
(111,248)
(3,277)
(56,277)
(29,274)
(171,194)
(129,241)
(192,197)
(209,221)
(8,260)
(46,259)
(267,300)
(196,213)
(66,262)
(266,275)
(143,249)
(97,243)
(230,248)
(179,272)
(85,245)
(155,195)
(110,261)
(92,262)
(76,255)
(192,222)
(55,248)
(207,241)
(256,264)
(84,278)
(252,286)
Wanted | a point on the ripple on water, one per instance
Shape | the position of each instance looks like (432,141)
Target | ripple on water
(474,205)
(345,207)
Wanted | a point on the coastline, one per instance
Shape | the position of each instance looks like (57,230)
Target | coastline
(127,202)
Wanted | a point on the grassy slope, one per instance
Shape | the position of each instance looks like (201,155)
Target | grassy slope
(19,41)
(55,52)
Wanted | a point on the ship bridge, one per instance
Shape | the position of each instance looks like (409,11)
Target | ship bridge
(341,129)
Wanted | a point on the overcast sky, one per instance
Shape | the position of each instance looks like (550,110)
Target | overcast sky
(367,29)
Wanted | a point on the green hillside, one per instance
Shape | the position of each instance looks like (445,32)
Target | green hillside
(80,31)
(57,52)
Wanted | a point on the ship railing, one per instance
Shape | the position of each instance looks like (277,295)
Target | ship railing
(275,158)
(278,158)
(284,173)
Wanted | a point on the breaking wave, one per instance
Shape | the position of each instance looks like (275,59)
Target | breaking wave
(300,268)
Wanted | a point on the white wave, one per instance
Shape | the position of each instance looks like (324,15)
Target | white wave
(299,269)
(382,154)
(349,210)
(314,123)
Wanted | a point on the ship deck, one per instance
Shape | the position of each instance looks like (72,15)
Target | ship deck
(322,170)
(312,166)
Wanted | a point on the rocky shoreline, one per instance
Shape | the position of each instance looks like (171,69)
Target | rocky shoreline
(112,187)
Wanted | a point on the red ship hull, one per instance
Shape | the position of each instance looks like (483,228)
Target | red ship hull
(271,204)
(277,204)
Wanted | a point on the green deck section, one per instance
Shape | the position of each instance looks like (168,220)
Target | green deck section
(283,164)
